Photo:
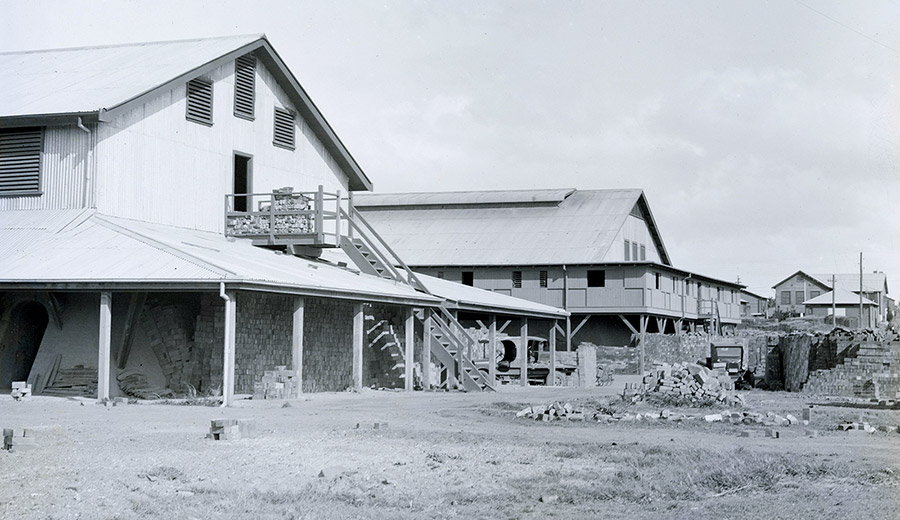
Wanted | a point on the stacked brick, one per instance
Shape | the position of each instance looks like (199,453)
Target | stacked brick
(327,345)
(169,328)
(692,383)
(231,429)
(209,333)
(872,371)
(284,199)
(262,338)
(20,390)
(280,383)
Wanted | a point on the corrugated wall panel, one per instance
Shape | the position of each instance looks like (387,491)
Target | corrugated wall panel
(64,162)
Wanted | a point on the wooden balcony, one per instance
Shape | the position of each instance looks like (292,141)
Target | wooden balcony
(285,218)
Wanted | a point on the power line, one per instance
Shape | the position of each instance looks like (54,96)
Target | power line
(845,26)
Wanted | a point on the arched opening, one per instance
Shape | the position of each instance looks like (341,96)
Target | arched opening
(23,339)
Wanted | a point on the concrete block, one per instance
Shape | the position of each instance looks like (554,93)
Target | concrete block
(773,433)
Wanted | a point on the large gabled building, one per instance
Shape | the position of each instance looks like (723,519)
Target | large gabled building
(164,208)
(598,254)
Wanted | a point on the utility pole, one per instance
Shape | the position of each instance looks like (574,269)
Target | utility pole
(860,291)
(833,306)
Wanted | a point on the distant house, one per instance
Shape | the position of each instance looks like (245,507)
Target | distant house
(597,253)
(753,304)
(793,291)
(845,304)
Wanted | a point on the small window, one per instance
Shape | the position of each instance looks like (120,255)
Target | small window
(244,86)
(628,251)
(719,293)
(785,297)
(656,279)
(543,278)
(798,297)
(517,279)
(284,129)
(814,294)
(200,101)
(468,278)
(643,252)
(596,278)
(20,161)
(634,251)
(440,275)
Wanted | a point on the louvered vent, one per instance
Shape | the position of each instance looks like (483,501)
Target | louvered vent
(199,101)
(20,160)
(244,86)
(284,128)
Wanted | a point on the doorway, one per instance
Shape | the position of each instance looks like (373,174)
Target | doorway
(22,341)
(243,171)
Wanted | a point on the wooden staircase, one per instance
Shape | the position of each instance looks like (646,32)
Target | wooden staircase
(389,364)
(452,345)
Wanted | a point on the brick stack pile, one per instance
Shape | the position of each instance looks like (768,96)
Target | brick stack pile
(553,412)
(169,327)
(280,383)
(231,429)
(873,373)
(15,439)
(690,382)
(20,390)
(286,200)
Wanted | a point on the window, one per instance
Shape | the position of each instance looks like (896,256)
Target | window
(628,251)
(814,294)
(656,279)
(244,86)
(719,293)
(468,278)
(643,252)
(440,274)
(798,297)
(20,161)
(517,279)
(634,251)
(543,277)
(284,129)
(785,297)
(596,278)
(200,101)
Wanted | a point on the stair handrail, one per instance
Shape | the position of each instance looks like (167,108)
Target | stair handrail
(372,247)
(412,279)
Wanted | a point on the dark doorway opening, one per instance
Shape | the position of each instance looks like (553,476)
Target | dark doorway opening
(242,180)
(21,342)
(468,278)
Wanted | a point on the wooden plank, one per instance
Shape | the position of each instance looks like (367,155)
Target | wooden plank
(582,324)
(358,340)
(503,327)
(627,323)
(297,341)
(132,318)
(104,346)
(409,357)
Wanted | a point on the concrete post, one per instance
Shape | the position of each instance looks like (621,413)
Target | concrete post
(409,355)
(426,350)
(523,352)
(358,339)
(552,353)
(492,356)
(297,342)
(229,350)
(104,344)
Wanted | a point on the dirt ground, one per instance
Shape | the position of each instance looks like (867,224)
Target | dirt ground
(442,455)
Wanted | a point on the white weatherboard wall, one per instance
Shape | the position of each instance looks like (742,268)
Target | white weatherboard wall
(634,230)
(65,161)
(155,165)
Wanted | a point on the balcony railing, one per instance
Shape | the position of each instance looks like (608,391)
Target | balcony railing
(285,217)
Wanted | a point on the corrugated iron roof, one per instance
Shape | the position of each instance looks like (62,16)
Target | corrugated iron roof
(456,229)
(872,282)
(88,79)
(841,296)
(101,249)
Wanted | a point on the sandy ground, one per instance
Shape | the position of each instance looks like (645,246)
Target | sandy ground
(446,455)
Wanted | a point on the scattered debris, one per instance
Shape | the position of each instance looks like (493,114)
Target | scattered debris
(75,381)
(333,472)
(549,499)
(134,383)
(553,412)
(15,439)
(20,390)
(231,429)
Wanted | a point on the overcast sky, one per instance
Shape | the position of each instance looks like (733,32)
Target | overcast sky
(766,135)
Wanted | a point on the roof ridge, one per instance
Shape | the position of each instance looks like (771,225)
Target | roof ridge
(162,246)
(135,44)
(464,192)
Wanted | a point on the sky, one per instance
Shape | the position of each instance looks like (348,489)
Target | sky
(766,135)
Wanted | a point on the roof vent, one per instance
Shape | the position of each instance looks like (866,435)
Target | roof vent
(20,161)
(199,101)
(284,128)
(244,86)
